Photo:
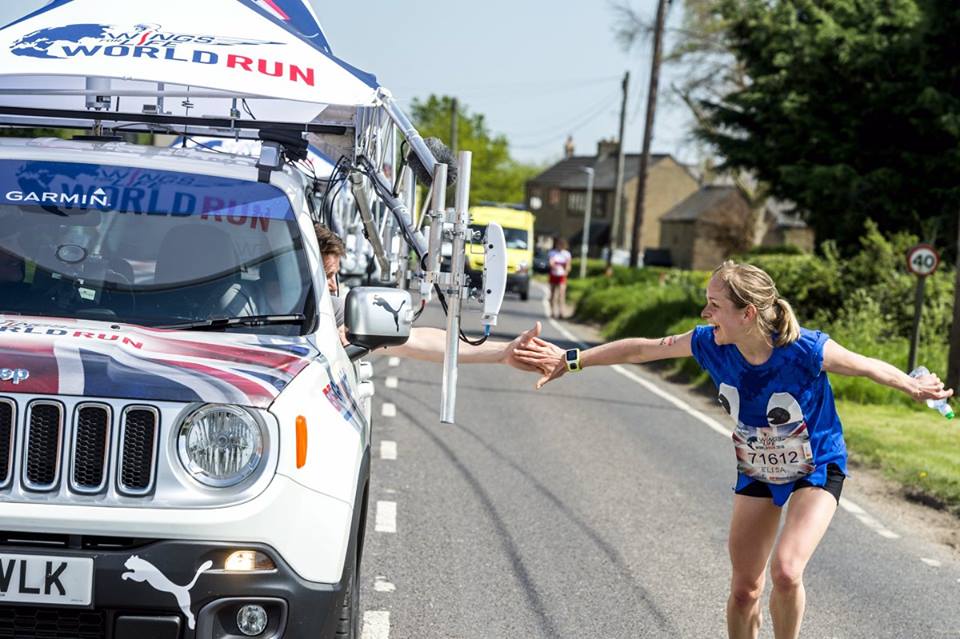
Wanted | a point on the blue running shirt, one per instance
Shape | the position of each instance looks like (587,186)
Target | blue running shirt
(786,399)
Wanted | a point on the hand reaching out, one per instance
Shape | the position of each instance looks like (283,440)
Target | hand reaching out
(543,356)
(511,350)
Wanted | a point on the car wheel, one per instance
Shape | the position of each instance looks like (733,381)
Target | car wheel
(525,294)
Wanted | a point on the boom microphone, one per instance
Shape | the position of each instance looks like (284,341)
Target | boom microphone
(443,155)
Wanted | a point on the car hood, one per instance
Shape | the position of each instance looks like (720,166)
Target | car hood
(108,359)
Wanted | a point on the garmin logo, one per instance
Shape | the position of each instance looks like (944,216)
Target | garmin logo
(97,198)
(15,375)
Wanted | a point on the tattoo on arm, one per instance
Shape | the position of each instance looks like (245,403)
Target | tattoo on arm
(668,340)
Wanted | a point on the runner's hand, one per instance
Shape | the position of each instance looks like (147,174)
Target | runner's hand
(546,357)
(929,387)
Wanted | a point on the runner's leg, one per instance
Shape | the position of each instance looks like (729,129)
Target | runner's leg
(562,299)
(808,515)
(753,529)
(553,299)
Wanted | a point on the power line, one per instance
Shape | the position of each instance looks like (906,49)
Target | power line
(560,130)
(589,113)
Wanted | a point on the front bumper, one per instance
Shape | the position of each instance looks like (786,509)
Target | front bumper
(141,590)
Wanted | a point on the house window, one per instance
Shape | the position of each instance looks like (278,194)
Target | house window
(576,202)
(554,198)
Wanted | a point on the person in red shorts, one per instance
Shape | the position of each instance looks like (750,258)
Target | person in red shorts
(560,261)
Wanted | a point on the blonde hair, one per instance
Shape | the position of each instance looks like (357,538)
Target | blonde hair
(751,285)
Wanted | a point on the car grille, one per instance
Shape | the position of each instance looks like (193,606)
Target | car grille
(60,448)
(29,622)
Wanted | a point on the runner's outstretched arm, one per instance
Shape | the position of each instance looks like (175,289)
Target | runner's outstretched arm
(839,360)
(632,350)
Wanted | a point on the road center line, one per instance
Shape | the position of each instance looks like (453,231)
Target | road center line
(386,517)
(388,450)
(380,584)
(388,410)
(376,625)
(714,425)
(391,382)
(393,361)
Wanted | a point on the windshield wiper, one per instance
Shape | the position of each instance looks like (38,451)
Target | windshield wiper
(219,323)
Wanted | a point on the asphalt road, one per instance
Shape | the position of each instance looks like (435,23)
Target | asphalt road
(594,508)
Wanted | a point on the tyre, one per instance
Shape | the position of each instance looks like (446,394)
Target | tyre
(525,294)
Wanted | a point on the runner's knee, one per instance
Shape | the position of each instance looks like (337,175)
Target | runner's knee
(786,574)
(745,592)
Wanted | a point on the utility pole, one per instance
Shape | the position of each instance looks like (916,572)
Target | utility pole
(615,240)
(648,131)
(585,241)
(953,358)
(453,126)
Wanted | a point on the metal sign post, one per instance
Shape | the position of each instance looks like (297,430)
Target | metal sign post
(922,260)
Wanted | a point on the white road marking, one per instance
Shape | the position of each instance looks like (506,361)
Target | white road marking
(386,517)
(376,625)
(393,361)
(845,503)
(388,410)
(391,382)
(388,450)
(380,584)
(931,562)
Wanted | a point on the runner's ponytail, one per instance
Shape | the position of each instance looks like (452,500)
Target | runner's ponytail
(786,326)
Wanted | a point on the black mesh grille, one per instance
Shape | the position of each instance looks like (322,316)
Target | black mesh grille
(136,461)
(93,425)
(43,444)
(6,427)
(24,622)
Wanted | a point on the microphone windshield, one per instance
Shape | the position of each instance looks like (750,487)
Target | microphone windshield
(443,155)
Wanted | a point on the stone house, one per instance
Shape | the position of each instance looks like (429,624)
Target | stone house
(561,192)
(717,221)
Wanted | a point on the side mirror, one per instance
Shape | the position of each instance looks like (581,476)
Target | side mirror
(376,316)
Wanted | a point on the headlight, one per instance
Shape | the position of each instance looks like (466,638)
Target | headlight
(220,445)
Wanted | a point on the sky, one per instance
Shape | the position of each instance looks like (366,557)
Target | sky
(537,70)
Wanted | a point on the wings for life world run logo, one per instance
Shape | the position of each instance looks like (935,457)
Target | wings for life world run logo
(149,41)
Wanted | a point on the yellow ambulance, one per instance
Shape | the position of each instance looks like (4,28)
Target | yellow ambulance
(517,226)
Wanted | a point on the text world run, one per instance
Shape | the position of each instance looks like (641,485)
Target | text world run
(264,67)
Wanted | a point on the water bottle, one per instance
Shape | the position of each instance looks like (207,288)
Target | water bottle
(940,405)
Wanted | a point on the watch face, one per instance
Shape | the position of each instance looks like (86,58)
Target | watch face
(571,356)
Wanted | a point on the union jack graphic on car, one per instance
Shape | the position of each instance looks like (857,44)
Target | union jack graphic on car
(72,357)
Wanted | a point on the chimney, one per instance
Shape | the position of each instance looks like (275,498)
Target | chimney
(607,148)
(568,147)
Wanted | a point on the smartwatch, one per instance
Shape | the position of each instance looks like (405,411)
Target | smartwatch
(572,358)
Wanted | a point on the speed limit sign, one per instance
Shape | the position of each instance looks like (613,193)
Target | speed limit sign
(922,260)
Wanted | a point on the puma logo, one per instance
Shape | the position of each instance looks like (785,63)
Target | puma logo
(379,301)
(142,570)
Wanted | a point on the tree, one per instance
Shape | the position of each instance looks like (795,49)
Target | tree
(852,110)
(494,175)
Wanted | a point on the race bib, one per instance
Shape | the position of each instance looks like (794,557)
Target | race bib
(775,454)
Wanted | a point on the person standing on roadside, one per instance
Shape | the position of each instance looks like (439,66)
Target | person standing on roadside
(771,375)
(560,261)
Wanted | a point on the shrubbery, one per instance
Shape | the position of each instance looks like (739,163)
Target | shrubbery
(864,302)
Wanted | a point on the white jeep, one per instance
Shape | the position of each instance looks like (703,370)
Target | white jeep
(184,441)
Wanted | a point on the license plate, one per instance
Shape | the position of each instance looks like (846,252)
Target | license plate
(44,579)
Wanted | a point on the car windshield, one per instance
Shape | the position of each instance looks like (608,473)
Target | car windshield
(515,238)
(147,247)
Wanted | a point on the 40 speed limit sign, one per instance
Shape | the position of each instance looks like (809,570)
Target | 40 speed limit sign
(922,260)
